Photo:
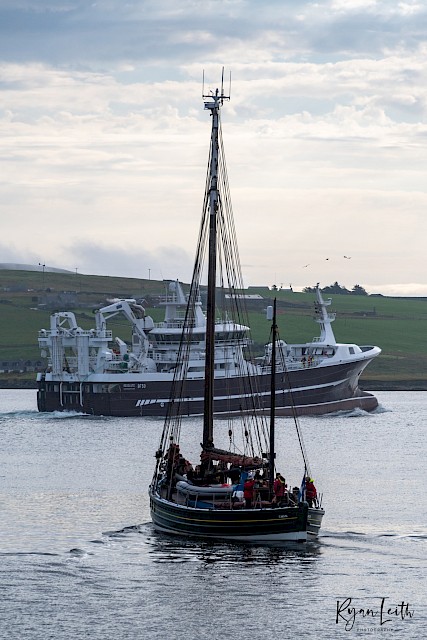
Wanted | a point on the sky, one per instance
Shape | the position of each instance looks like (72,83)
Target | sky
(104,139)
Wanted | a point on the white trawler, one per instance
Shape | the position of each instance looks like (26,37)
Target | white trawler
(89,371)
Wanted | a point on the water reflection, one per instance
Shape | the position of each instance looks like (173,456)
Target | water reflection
(169,549)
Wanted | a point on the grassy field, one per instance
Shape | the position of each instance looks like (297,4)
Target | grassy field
(397,325)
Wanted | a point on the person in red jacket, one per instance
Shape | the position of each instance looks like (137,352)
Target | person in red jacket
(280,489)
(248,492)
(310,492)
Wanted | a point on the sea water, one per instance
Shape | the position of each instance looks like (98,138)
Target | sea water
(79,557)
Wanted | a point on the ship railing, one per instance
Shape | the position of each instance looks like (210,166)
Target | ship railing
(70,333)
(290,366)
(294,365)
(177,324)
(195,354)
(117,365)
(171,299)
(171,357)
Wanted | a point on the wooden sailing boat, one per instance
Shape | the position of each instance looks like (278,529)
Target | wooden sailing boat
(230,495)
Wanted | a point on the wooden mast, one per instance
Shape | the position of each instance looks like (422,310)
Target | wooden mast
(272,452)
(214,104)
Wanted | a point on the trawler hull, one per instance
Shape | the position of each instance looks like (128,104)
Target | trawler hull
(251,525)
(317,390)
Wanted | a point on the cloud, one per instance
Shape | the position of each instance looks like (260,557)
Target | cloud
(410,289)
(116,260)
(163,263)
(157,31)
(104,137)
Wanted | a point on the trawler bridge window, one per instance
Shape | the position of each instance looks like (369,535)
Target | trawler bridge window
(230,336)
(162,338)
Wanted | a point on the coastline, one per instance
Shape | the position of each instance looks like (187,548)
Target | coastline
(394,385)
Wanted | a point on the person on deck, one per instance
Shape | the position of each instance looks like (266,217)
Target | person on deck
(295,495)
(248,492)
(310,492)
(280,489)
(171,460)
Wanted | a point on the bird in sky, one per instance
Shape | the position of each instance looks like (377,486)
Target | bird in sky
(307,265)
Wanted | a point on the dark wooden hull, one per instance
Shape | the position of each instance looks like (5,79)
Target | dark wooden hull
(250,525)
(314,391)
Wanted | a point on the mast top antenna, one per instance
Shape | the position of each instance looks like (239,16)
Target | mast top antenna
(216,98)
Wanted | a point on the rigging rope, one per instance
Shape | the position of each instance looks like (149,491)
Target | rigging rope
(230,279)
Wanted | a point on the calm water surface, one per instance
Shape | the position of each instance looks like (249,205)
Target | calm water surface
(79,557)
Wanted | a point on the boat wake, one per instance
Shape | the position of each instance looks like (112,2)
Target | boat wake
(64,415)
(79,553)
(134,528)
(349,413)
(71,415)
(395,544)
(28,553)
(357,412)
(7,415)
(381,409)
(347,535)
(35,415)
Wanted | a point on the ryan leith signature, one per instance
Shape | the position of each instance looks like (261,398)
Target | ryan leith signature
(384,613)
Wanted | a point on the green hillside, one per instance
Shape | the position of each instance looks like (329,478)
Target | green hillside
(397,325)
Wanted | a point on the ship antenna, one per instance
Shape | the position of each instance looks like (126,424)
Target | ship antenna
(222,85)
(223,96)
(218,96)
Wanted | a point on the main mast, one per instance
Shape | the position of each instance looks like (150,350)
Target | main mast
(213,105)
(272,398)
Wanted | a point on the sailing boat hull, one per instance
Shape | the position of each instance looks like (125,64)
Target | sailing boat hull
(251,525)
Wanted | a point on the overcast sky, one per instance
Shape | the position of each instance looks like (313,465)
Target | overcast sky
(104,140)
